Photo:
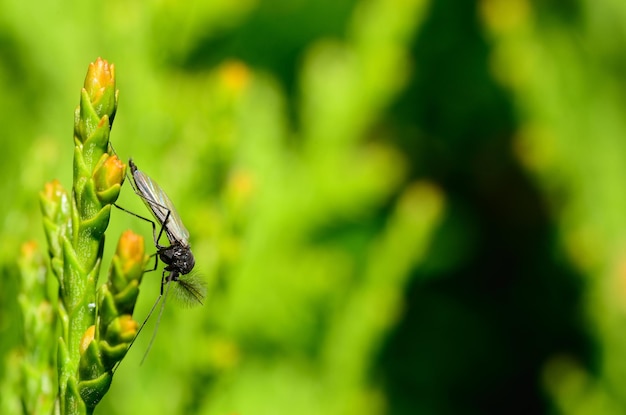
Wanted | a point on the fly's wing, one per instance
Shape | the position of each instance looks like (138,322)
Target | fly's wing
(159,204)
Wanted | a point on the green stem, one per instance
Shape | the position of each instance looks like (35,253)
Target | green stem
(75,232)
(38,316)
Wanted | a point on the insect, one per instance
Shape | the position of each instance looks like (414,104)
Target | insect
(177,257)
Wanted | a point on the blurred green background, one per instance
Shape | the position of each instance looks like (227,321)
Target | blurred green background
(400,206)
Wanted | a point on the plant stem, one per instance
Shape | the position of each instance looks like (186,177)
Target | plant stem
(75,229)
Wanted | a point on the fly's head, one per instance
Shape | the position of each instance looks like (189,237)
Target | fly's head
(178,258)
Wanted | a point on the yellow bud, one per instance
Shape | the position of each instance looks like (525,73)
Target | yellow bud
(100,76)
(55,199)
(87,339)
(128,324)
(109,173)
(53,191)
(235,75)
(29,249)
(131,251)
(240,189)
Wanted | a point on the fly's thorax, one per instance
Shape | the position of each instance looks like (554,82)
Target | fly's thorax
(178,258)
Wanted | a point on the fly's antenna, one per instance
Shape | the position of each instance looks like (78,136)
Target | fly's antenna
(190,290)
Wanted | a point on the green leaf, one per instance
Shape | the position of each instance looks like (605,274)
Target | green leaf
(92,391)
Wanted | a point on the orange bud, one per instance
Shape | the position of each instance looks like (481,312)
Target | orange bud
(53,191)
(131,251)
(87,339)
(240,188)
(235,75)
(100,76)
(55,200)
(109,173)
(29,249)
(128,326)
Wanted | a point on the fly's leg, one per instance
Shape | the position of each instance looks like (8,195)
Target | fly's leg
(156,262)
(159,247)
(163,281)
(154,234)
(156,325)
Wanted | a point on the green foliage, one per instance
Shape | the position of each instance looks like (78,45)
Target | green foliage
(38,311)
(75,230)
(571,139)
(93,337)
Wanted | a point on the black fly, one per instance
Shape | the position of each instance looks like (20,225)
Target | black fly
(177,257)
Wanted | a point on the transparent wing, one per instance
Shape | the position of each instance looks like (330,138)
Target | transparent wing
(157,201)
